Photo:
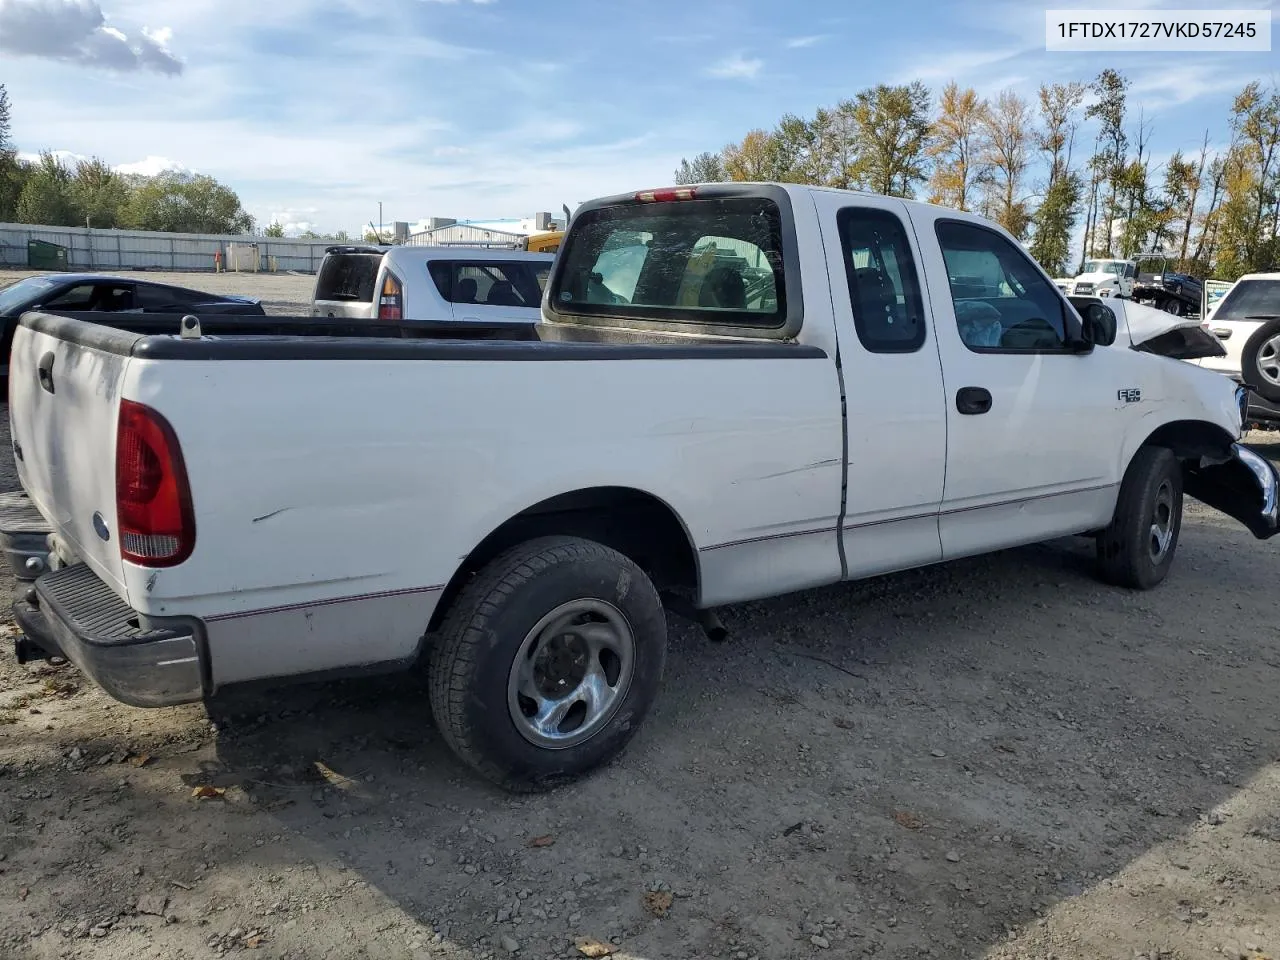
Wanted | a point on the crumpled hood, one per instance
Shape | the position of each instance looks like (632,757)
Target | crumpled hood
(1158,331)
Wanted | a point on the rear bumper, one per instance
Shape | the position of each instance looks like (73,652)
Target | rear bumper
(71,613)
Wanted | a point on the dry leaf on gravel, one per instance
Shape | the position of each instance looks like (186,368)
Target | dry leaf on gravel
(908,820)
(24,893)
(253,943)
(141,760)
(590,947)
(543,841)
(658,902)
(209,793)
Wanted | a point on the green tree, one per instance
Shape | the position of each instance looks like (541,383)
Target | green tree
(755,158)
(274,230)
(1054,220)
(1247,240)
(13,174)
(1059,103)
(98,194)
(706,167)
(797,151)
(1006,154)
(187,203)
(46,194)
(836,144)
(958,147)
(892,125)
(1111,91)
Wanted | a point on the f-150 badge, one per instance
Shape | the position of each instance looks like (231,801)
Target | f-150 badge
(1130,395)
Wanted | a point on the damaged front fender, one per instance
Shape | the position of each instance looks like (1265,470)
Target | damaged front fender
(1245,486)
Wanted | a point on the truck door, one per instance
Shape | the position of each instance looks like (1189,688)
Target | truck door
(895,419)
(1034,429)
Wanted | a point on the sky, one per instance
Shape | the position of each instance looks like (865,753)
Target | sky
(315,111)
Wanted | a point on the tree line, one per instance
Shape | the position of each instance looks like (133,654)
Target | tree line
(92,193)
(1022,163)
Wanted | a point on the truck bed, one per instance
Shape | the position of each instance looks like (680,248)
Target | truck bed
(227,337)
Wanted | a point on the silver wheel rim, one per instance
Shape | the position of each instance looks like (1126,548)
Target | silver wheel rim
(571,674)
(1269,361)
(1162,522)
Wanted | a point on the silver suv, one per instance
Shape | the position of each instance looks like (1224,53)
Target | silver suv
(469,285)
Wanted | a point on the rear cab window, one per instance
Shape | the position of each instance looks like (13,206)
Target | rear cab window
(348,277)
(712,262)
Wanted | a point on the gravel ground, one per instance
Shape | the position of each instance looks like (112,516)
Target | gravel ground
(996,758)
(281,293)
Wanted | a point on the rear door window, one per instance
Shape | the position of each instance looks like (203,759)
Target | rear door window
(701,261)
(888,310)
(348,277)
(491,283)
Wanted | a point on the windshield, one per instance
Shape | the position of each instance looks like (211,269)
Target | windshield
(1250,298)
(1104,266)
(22,293)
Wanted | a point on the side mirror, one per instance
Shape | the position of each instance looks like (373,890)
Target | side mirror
(1100,325)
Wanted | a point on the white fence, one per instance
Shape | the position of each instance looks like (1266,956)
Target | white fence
(89,249)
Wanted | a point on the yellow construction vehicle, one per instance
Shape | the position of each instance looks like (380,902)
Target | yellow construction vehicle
(544,242)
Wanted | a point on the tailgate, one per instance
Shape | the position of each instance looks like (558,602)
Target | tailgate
(63,402)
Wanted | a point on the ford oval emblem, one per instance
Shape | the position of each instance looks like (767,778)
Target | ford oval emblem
(100,527)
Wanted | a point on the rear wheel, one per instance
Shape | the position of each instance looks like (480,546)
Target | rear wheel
(1136,550)
(547,662)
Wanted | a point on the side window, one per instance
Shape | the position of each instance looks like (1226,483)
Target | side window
(1130,271)
(496,284)
(76,298)
(95,296)
(1002,303)
(884,289)
(442,275)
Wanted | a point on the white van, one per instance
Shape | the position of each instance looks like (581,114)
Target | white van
(465,284)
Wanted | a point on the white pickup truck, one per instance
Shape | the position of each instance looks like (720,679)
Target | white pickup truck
(737,391)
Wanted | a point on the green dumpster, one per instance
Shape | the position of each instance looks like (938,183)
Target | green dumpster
(42,255)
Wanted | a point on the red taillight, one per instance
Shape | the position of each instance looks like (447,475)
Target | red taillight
(391,300)
(154,516)
(664,196)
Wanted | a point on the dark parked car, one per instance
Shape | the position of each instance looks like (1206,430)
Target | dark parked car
(97,292)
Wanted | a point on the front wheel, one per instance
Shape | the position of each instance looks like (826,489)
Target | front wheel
(1260,361)
(547,662)
(1136,550)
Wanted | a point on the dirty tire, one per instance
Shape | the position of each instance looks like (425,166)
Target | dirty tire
(473,655)
(1262,350)
(1151,492)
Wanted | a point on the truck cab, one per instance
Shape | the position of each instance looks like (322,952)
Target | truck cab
(1105,278)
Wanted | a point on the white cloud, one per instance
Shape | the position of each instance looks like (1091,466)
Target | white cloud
(797,43)
(66,156)
(1173,86)
(962,67)
(76,31)
(153,166)
(736,67)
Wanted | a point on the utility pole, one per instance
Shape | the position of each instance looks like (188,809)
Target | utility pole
(379,221)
